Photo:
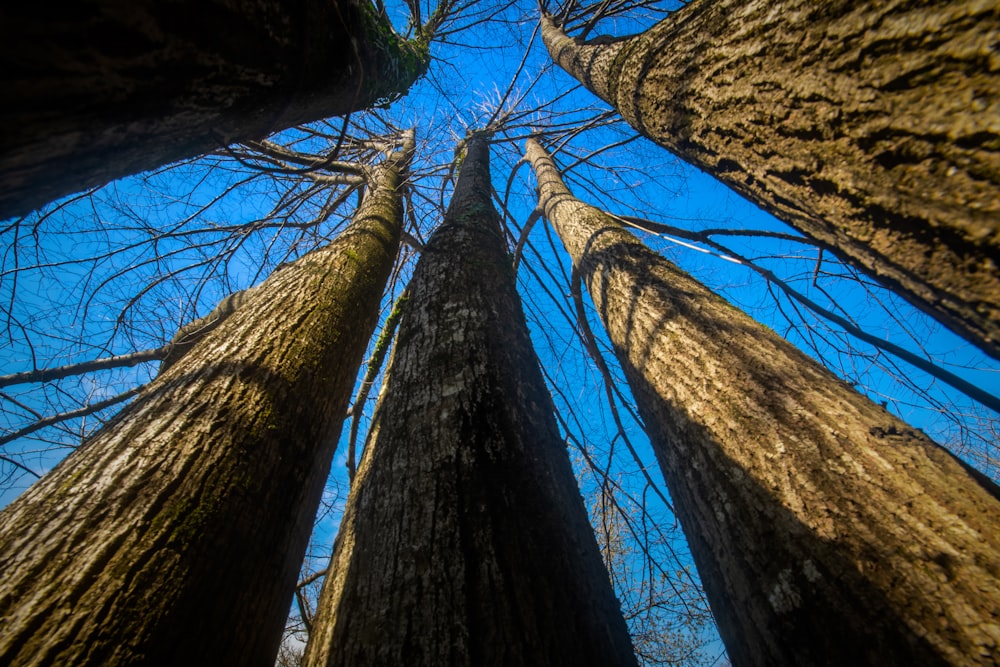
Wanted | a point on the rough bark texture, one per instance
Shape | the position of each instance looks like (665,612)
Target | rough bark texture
(189,335)
(465,540)
(174,535)
(873,127)
(826,531)
(100,89)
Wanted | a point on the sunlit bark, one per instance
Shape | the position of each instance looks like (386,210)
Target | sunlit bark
(465,540)
(174,535)
(105,88)
(825,530)
(871,127)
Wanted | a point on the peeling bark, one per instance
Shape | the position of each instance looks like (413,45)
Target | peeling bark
(465,540)
(826,531)
(175,534)
(873,128)
(105,88)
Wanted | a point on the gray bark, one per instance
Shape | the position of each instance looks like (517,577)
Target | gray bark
(100,89)
(465,540)
(174,535)
(873,128)
(826,531)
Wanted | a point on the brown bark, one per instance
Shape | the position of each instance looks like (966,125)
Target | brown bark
(174,535)
(826,531)
(107,88)
(871,127)
(189,335)
(465,540)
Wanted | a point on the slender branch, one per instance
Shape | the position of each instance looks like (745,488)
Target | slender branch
(119,361)
(303,610)
(590,344)
(373,367)
(18,464)
(72,414)
(310,162)
(311,578)
(528,226)
(975,393)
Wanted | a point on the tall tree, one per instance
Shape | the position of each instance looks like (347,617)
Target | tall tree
(465,540)
(105,88)
(825,530)
(870,127)
(174,535)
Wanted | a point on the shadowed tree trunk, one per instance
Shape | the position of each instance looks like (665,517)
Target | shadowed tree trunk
(106,88)
(174,535)
(826,531)
(870,127)
(465,540)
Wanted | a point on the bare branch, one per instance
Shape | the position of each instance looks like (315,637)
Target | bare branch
(120,361)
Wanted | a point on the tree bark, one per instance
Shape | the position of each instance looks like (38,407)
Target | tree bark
(108,88)
(465,540)
(175,534)
(871,127)
(826,531)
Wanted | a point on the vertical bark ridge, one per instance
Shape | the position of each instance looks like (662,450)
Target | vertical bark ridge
(872,128)
(174,535)
(107,88)
(826,531)
(465,540)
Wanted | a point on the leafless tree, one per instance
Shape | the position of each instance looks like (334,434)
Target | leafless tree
(94,288)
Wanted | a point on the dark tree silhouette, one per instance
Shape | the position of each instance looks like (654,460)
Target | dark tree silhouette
(104,89)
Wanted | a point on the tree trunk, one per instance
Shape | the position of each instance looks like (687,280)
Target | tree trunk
(871,127)
(109,88)
(175,534)
(465,540)
(826,531)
